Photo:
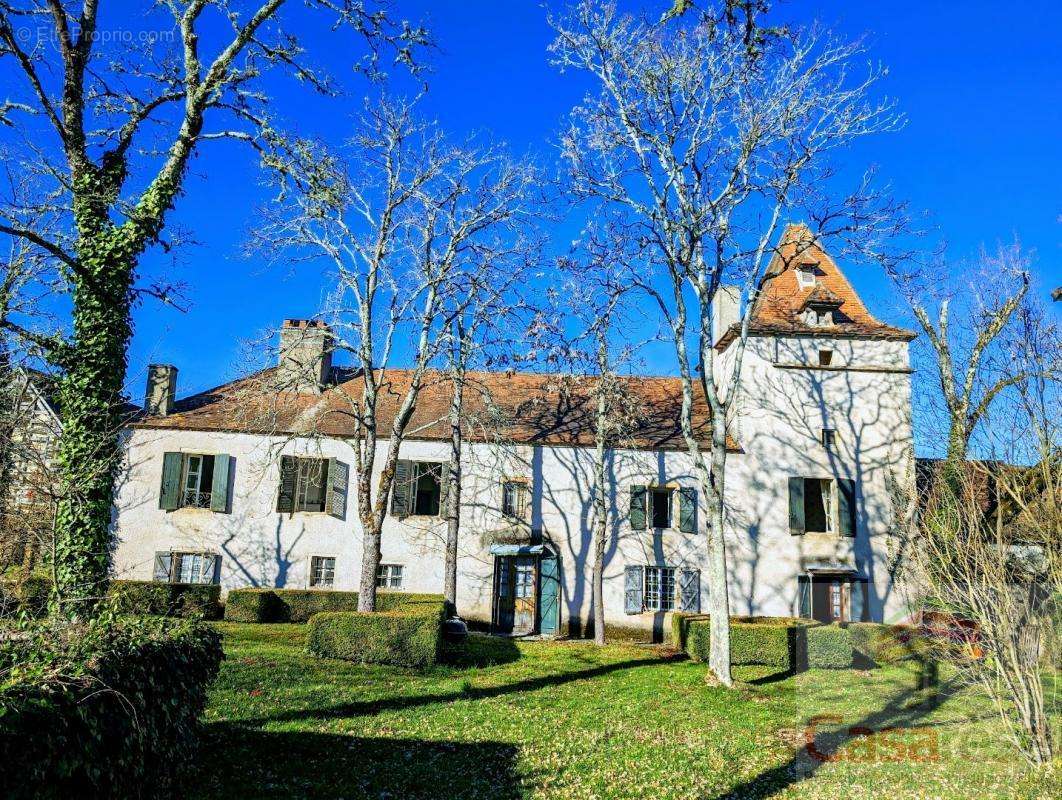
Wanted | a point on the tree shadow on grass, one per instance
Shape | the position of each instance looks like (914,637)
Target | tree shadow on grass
(249,763)
(480,651)
(828,737)
(468,692)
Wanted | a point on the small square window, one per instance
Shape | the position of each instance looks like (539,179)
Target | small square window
(389,576)
(322,572)
(806,275)
(829,437)
(825,358)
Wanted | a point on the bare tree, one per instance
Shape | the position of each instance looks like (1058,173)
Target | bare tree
(984,547)
(400,218)
(972,355)
(108,121)
(705,144)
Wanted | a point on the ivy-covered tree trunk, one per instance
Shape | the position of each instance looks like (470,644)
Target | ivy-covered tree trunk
(90,401)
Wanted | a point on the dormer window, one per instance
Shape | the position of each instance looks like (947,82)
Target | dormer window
(806,276)
(819,317)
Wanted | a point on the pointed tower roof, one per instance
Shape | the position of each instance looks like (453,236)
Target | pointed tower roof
(802,275)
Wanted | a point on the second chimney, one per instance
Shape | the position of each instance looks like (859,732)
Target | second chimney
(726,310)
(161,389)
(305,355)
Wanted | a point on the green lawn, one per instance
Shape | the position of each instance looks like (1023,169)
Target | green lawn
(572,721)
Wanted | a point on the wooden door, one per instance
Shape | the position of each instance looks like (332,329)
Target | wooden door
(503,594)
(523,573)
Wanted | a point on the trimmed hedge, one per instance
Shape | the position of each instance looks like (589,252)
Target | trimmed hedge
(168,599)
(874,643)
(133,597)
(107,709)
(829,647)
(772,641)
(410,636)
(298,605)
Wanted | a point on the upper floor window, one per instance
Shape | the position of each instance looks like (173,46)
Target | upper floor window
(419,488)
(825,358)
(655,506)
(822,505)
(309,485)
(829,438)
(514,499)
(806,275)
(195,480)
(322,572)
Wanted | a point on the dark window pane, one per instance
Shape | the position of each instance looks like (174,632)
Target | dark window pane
(661,500)
(814,506)
(428,491)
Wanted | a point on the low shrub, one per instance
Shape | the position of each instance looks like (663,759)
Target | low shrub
(829,647)
(875,644)
(105,709)
(298,605)
(410,636)
(25,594)
(771,641)
(168,599)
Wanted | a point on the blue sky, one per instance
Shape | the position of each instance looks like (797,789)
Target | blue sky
(981,89)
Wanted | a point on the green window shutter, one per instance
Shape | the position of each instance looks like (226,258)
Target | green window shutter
(796,506)
(163,567)
(169,495)
(633,589)
(444,488)
(687,509)
(804,596)
(402,489)
(690,590)
(336,489)
(846,506)
(637,515)
(549,595)
(286,495)
(219,489)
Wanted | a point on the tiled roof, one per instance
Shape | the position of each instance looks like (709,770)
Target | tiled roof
(779,310)
(518,407)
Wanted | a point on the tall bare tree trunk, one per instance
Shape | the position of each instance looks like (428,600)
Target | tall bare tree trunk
(719,600)
(600,521)
(453,498)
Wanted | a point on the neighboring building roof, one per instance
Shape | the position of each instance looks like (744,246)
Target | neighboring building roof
(520,407)
(778,311)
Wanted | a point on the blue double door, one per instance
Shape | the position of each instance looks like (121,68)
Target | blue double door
(527,594)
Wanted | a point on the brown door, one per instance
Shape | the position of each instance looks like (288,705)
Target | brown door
(514,594)
(830,596)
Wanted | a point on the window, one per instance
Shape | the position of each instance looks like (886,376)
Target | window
(419,488)
(322,572)
(825,358)
(195,480)
(659,588)
(389,576)
(178,567)
(514,499)
(822,505)
(818,317)
(313,485)
(660,501)
(806,275)
(310,484)
(829,437)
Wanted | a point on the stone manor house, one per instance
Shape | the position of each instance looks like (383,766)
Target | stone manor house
(249,483)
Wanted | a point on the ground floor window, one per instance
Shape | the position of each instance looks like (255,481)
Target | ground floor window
(659,588)
(177,567)
(389,576)
(322,572)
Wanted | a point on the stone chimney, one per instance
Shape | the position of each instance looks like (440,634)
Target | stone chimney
(305,356)
(161,389)
(726,310)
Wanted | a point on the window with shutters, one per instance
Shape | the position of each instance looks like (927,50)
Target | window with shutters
(389,576)
(663,507)
(419,488)
(514,499)
(198,480)
(660,507)
(322,572)
(659,588)
(822,505)
(310,474)
(818,505)
(190,567)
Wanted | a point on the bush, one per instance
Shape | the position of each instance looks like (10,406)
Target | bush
(874,644)
(771,641)
(829,647)
(107,709)
(408,637)
(298,605)
(168,599)
(134,597)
